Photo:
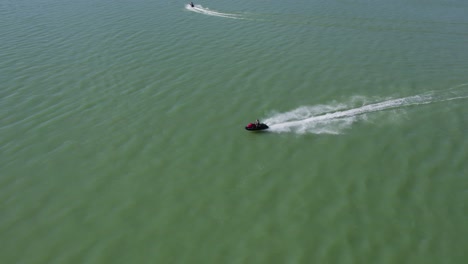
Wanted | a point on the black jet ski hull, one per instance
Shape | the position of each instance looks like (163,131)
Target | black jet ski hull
(257,128)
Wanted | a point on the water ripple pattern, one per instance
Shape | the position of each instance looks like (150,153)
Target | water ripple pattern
(122,133)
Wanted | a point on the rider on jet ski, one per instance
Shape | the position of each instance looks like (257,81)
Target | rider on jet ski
(191,4)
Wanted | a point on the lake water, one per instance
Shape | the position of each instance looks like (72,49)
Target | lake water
(122,131)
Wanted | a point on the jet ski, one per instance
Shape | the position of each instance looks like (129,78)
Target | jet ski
(256,127)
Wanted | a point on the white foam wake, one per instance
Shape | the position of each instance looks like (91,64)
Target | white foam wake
(205,11)
(333,119)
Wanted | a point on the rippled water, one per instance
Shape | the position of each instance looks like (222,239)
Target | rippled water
(122,131)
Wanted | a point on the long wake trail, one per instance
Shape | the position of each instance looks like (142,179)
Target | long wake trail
(206,11)
(332,119)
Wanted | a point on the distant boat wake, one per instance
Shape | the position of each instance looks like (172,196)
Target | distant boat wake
(205,11)
(320,21)
(333,119)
